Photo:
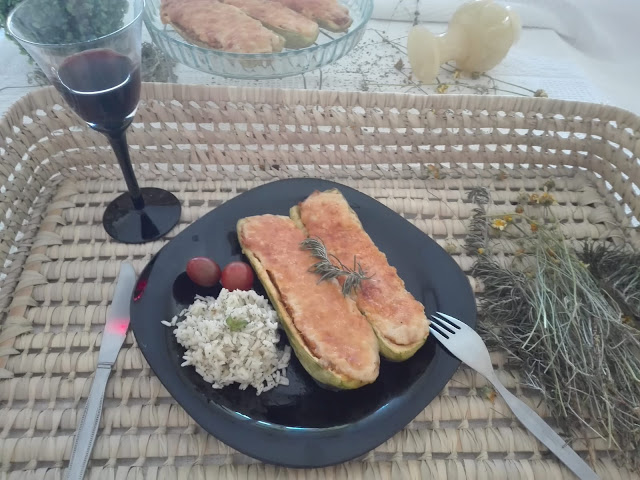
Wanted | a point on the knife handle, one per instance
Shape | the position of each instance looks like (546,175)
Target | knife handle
(543,432)
(86,433)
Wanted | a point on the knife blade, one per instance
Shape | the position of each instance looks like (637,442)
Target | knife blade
(115,329)
(113,336)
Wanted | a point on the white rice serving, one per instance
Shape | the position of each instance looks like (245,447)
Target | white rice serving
(232,339)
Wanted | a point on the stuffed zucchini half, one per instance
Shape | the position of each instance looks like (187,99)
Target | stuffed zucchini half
(396,317)
(297,30)
(329,335)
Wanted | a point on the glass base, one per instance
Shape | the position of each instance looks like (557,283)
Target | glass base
(125,224)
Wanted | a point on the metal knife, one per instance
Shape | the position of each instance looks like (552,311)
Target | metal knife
(115,331)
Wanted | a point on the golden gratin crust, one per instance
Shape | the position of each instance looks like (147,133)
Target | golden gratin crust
(216,25)
(297,30)
(331,338)
(328,13)
(395,315)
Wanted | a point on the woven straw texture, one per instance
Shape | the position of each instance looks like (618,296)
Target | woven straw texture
(418,155)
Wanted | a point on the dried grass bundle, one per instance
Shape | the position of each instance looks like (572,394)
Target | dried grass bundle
(563,315)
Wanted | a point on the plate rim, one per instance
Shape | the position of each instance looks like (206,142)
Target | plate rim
(309,433)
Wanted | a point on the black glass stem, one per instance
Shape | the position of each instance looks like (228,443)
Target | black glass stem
(118,141)
(142,214)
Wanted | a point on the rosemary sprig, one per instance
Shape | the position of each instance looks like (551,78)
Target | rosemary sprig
(329,266)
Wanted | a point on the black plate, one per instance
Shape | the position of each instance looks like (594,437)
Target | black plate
(303,424)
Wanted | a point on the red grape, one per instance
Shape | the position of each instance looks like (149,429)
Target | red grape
(237,276)
(203,271)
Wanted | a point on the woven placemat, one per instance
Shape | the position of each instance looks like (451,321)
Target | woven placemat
(59,277)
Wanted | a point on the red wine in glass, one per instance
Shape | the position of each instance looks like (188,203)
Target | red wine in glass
(102,86)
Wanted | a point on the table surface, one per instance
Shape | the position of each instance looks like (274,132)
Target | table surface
(542,59)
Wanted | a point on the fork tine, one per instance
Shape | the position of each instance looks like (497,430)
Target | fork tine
(452,320)
(443,325)
(443,330)
(439,336)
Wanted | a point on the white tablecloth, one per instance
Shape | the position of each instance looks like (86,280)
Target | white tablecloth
(556,59)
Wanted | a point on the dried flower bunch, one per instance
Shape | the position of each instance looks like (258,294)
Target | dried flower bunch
(564,312)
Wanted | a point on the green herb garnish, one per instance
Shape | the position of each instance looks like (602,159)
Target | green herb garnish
(330,266)
(236,324)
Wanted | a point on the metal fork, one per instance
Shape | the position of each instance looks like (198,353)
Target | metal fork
(463,342)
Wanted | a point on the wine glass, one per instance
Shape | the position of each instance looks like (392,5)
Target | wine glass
(90,50)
